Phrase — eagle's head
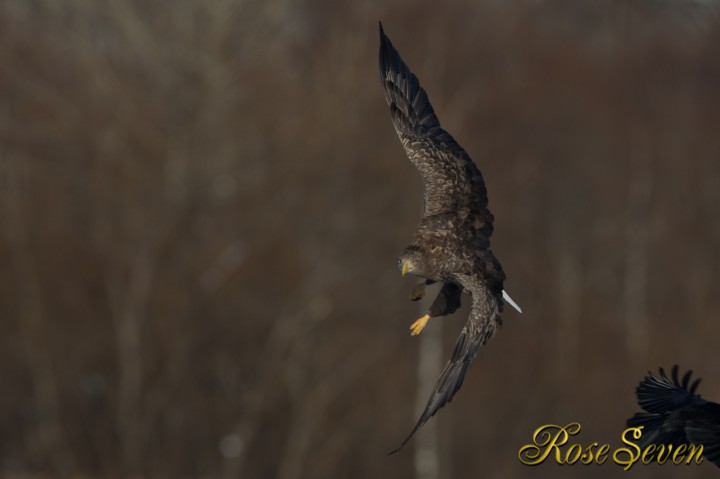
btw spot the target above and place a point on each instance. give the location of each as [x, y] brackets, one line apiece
[412, 261]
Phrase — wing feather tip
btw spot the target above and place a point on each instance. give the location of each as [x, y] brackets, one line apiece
[394, 451]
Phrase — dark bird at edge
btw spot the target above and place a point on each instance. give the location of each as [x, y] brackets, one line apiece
[675, 415]
[452, 242]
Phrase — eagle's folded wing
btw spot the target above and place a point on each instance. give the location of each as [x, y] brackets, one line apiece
[480, 327]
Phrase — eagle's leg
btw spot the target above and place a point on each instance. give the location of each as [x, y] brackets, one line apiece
[418, 292]
[417, 327]
[446, 302]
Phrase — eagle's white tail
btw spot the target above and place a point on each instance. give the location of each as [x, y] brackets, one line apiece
[510, 301]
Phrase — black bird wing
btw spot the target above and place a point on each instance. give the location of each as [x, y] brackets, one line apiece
[709, 437]
[451, 178]
[663, 394]
[671, 406]
[485, 318]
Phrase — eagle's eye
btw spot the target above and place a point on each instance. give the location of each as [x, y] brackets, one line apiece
[406, 265]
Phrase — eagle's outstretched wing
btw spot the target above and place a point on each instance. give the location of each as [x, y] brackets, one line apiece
[485, 317]
[451, 178]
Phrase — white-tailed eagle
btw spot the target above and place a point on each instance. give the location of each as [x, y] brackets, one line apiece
[452, 242]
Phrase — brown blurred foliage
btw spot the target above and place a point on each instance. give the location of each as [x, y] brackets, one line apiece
[201, 204]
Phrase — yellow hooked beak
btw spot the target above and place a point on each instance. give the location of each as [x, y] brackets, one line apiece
[405, 268]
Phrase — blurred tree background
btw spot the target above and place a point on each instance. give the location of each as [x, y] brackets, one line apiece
[202, 203]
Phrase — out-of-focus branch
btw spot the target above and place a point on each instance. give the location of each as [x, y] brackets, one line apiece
[636, 261]
[128, 301]
[46, 397]
[568, 277]
[426, 460]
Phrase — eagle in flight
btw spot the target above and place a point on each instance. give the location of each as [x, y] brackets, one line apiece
[452, 242]
[675, 415]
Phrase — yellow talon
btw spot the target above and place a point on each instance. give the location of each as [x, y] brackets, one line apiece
[419, 325]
